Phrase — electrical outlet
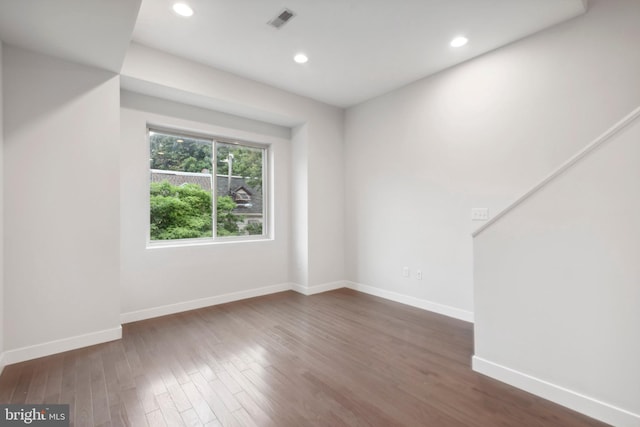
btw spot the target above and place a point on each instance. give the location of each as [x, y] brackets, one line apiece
[419, 274]
[405, 271]
[479, 214]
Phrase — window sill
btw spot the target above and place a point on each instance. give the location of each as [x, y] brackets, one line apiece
[206, 242]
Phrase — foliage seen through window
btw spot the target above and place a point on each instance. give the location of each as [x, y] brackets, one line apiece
[183, 187]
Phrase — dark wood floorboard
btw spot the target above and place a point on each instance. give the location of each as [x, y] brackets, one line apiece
[341, 358]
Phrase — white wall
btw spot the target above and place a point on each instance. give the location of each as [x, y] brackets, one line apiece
[317, 238]
[161, 280]
[1, 220]
[61, 217]
[477, 135]
[299, 253]
[557, 287]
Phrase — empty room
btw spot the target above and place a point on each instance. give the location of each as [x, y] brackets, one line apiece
[320, 213]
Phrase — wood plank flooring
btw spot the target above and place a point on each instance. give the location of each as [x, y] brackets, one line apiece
[341, 358]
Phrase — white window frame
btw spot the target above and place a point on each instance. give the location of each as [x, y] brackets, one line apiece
[213, 139]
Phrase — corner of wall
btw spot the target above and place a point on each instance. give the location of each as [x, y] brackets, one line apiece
[318, 289]
[299, 264]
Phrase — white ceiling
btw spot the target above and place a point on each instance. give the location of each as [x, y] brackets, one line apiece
[357, 49]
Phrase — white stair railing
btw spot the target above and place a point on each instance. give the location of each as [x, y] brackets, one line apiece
[595, 144]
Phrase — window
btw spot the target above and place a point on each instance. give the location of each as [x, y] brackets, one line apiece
[242, 196]
[205, 188]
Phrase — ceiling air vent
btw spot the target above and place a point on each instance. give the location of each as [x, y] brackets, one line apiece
[282, 18]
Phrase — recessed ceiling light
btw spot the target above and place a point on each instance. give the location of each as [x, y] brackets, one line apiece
[182, 9]
[459, 41]
[300, 58]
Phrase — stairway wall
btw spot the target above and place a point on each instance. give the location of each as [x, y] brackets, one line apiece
[557, 287]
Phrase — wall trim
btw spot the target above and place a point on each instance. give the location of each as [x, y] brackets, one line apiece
[424, 304]
[163, 310]
[578, 402]
[591, 147]
[72, 343]
[180, 307]
[317, 289]
[59, 346]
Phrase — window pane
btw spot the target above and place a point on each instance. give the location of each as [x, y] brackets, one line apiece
[240, 202]
[181, 187]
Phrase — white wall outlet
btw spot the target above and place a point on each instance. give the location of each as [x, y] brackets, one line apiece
[419, 274]
[405, 271]
[479, 214]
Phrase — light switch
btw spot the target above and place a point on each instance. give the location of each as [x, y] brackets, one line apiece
[479, 214]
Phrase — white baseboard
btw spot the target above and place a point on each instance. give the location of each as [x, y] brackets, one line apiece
[179, 307]
[59, 346]
[317, 289]
[557, 394]
[45, 349]
[435, 307]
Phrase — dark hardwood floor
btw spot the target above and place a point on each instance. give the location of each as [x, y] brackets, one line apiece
[336, 359]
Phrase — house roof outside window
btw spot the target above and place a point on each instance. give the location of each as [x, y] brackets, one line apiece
[238, 187]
